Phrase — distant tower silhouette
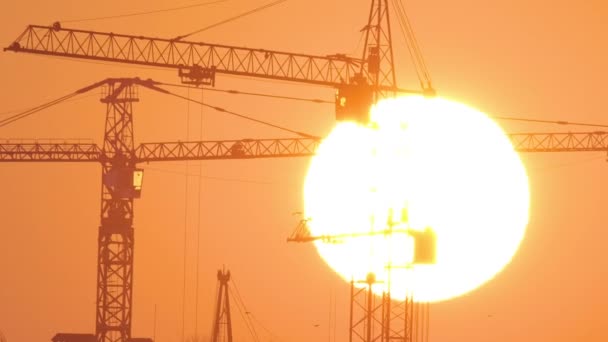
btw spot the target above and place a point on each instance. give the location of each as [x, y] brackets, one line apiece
[222, 325]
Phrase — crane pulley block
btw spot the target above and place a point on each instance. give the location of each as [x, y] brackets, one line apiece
[197, 75]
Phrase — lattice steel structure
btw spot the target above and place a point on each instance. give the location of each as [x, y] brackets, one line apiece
[359, 82]
[366, 312]
[121, 185]
[263, 148]
[222, 323]
[560, 142]
[379, 47]
[376, 318]
[115, 239]
[119, 158]
[191, 58]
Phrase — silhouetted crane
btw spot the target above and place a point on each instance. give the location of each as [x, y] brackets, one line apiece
[359, 83]
[222, 323]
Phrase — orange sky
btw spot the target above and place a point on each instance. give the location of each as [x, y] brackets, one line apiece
[540, 59]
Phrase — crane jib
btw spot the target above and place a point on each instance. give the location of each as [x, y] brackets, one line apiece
[333, 71]
[264, 148]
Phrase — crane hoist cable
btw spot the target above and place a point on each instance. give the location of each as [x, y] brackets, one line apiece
[412, 45]
[557, 122]
[200, 4]
[409, 48]
[242, 116]
[244, 315]
[185, 258]
[198, 221]
[273, 336]
[320, 101]
[225, 21]
[238, 92]
[28, 112]
[413, 40]
[36, 109]
[221, 179]
[243, 310]
[22, 109]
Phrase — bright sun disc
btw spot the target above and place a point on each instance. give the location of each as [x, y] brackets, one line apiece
[449, 166]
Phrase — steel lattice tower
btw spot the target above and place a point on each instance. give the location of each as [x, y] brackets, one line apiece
[222, 324]
[378, 48]
[115, 239]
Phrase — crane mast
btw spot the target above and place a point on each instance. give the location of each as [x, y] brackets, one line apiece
[378, 51]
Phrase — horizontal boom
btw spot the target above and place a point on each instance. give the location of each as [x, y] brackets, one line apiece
[193, 59]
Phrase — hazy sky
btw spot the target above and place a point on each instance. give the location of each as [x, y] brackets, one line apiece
[537, 59]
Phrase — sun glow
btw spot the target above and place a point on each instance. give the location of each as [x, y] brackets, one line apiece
[421, 163]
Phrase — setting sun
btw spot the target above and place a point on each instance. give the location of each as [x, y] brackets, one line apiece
[421, 165]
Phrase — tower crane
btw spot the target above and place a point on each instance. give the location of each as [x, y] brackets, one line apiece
[122, 184]
[222, 322]
[359, 83]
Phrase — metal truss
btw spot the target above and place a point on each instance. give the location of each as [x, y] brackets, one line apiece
[366, 312]
[222, 322]
[50, 152]
[163, 151]
[227, 149]
[379, 46]
[116, 235]
[264, 148]
[172, 53]
[560, 142]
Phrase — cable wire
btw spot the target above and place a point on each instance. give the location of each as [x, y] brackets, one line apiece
[255, 10]
[248, 321]
[206, 3]
[198, 224]
[412, 44]
[223, 179]
[273, 335]
[356, 49]
[12, 111]
[406, 37]
[185, 226]
[223, 110]
[565, 123]
[238, 92]
[31, 111]
[244, 313]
